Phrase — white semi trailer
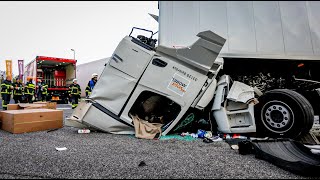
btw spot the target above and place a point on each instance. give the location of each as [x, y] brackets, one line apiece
[269, 44]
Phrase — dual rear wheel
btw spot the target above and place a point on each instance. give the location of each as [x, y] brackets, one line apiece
[283, 113]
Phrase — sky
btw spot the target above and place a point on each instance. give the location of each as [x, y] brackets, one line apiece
[52, 28]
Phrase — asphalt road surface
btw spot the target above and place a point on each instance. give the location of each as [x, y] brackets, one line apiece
[100, 155]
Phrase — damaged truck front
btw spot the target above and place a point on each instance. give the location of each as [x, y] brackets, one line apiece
[161, 84]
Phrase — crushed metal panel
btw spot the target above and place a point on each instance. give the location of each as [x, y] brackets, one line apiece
[103, 120]
[113, 89]
[240, 92]
[201, 54]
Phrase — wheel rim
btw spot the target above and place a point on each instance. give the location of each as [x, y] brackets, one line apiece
[277, 116]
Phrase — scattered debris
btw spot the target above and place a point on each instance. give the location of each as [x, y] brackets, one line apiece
[178, 137]
[53, 130]
[208, 134]
[83, 131]
[185, 122]
[212, 139]
[61, 149]
[142, 163]
[236, 147]
[201, 133]
[207, 140]
[145, 129]
[245, 147]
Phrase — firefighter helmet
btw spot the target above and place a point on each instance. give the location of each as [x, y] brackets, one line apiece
[29, 78]
[94, 75]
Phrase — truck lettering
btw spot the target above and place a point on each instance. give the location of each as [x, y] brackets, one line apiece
[185, 73]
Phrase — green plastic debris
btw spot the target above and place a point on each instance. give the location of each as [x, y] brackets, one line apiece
[178, 137]
[185, 122]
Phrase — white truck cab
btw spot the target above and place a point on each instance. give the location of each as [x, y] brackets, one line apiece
[179, 79]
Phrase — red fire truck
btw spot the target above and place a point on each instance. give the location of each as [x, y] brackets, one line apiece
[57, 73]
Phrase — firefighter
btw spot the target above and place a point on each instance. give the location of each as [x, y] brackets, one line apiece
[38, 90]
[23, 97]
[44, 92]
[29, 90]
[74, 93]
[41, 91]
[6, 91]
[91, 84]
[17, 91]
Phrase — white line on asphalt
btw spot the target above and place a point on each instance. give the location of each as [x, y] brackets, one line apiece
[64, 108]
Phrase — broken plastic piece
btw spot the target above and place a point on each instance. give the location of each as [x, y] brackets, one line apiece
[240, 92]
[61, 149]
[236, 147]
[84, 131]
[142, 163]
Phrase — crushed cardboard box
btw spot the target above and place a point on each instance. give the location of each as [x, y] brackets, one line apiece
[31, 120]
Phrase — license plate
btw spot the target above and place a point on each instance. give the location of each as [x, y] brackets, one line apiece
[55, 98]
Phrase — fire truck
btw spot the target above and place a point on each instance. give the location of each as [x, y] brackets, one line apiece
[57, 73]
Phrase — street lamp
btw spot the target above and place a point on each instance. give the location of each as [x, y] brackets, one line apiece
[74, 54]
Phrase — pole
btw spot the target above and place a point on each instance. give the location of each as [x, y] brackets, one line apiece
[74, 54]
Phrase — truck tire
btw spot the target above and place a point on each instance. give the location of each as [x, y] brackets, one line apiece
[283, 113]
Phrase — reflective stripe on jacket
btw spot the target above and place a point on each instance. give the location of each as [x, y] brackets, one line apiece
[45, 89]
[30, 88]
[5, 87]
[19, 90]
[74, 89]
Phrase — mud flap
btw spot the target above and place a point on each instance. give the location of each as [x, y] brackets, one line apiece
[284, 153]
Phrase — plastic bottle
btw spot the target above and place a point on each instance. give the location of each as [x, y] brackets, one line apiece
[194, 135]
[201, 133]
[84, 131]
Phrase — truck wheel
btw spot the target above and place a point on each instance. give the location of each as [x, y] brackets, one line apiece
[283, 113]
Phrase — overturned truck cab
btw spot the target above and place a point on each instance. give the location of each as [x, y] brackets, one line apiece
[160, 84]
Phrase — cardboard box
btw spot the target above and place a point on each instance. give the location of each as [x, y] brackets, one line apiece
[49, 105]
[31, 120]
[21, 106]
[13, 107]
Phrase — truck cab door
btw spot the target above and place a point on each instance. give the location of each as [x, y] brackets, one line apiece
[121, 75]
[171, 80]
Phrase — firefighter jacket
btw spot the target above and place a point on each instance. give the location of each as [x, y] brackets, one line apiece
[41, 88]
[30, 88]
[44, 88]
[18, 88]
[6, 87]
[74, 89]
[90, 86]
